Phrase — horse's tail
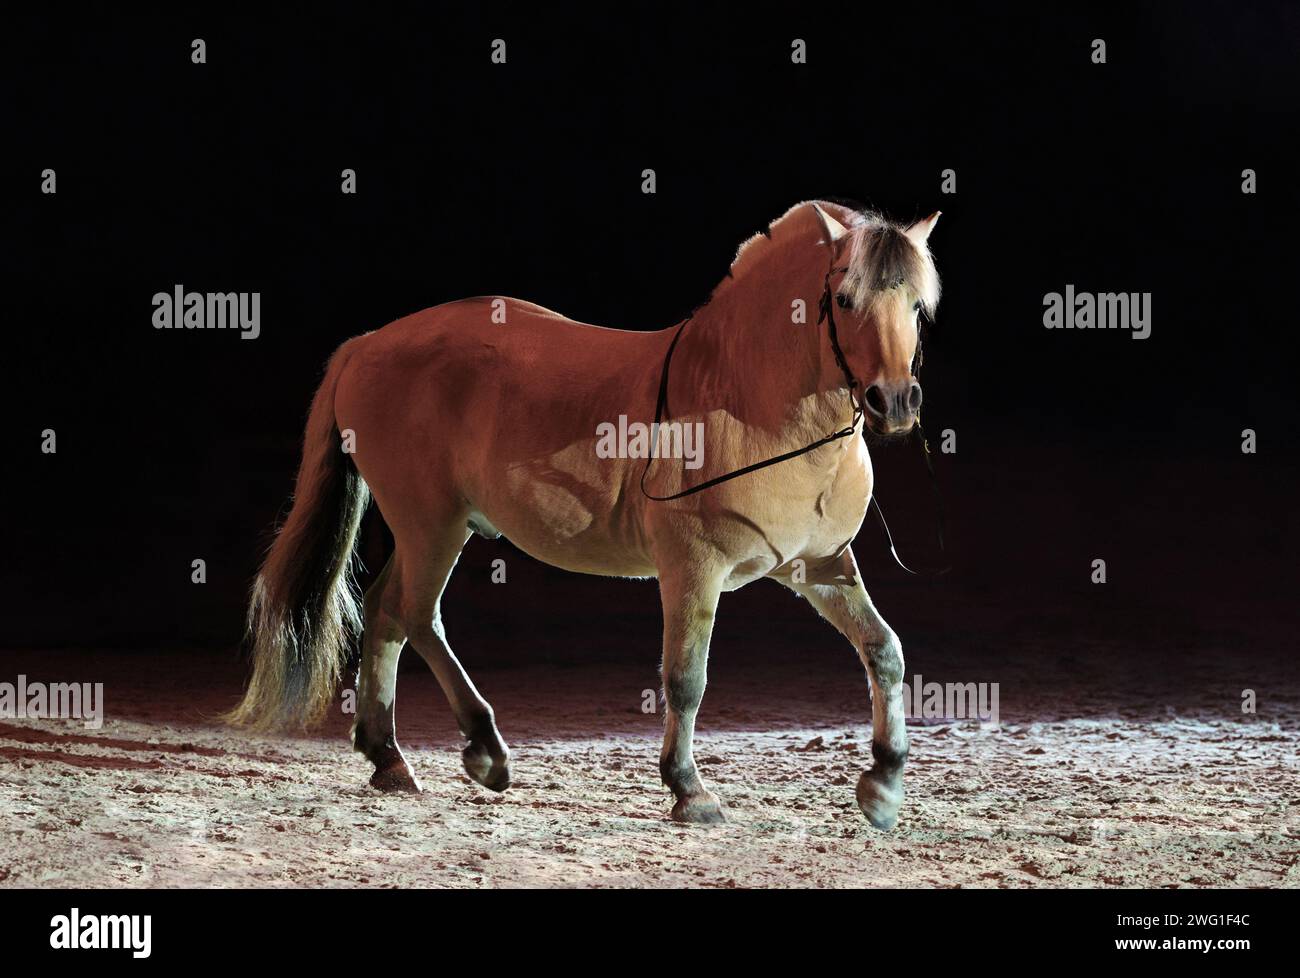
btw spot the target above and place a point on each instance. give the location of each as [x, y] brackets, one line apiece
[304, 608]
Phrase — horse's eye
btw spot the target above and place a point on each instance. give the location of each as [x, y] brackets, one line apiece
[916, 306]
[843, 301]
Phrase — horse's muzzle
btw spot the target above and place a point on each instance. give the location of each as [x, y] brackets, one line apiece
[891, 409]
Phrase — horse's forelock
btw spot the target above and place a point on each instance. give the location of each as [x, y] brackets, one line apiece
[881, 255]
[882, 258]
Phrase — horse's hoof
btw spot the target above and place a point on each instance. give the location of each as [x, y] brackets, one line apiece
[879, 797]
[701, 809]
[394, 778]
[479, 765]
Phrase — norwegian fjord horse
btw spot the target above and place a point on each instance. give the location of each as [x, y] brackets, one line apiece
[483, 415]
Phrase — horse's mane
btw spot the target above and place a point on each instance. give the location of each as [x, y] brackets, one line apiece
[881, 255]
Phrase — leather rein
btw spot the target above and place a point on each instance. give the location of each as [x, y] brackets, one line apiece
[826, 314]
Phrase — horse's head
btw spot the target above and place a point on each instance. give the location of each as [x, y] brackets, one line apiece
[883, 281]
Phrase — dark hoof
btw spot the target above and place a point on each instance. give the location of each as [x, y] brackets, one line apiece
[395, 777]
[479, 765]
[879, 797]
[701, 809]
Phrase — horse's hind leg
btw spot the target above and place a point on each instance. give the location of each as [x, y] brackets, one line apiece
[689, 604]
[426, 566]
[845, 605]
[374, 733]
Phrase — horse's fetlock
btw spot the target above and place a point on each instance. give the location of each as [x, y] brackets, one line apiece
[680, 776]
[383, 752]
[889, 757]
[480, 727]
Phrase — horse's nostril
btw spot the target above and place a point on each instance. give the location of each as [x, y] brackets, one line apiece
[914, 397]
[875, 400]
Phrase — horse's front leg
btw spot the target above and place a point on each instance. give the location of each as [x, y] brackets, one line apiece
[689, 603]
[845, 605]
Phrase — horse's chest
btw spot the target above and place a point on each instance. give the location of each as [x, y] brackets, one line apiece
[809, 524]
[832, 517]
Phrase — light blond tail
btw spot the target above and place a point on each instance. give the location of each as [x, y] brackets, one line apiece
[304, 610]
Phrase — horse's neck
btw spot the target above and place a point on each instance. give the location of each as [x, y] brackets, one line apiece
[751, 358]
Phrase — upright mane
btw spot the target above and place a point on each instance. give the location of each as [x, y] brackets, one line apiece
[881, 255]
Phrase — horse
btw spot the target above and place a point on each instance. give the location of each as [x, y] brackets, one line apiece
[483, 416]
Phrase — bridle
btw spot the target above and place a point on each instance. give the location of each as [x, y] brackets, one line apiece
[826, 314]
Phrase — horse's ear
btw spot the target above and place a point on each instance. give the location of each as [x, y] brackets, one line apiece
[832, 230]
[920, 231]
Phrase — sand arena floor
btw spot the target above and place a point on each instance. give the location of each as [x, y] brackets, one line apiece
[1156, 780]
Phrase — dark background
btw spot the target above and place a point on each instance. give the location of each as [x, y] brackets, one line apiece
[524, 179]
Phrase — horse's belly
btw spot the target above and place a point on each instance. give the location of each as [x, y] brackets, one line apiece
[586, 552]
[567, 518]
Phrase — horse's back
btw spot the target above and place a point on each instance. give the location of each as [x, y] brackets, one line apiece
[490, 322]
[488, 344]
[496, 402]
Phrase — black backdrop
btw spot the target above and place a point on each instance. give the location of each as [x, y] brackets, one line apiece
[525, 179]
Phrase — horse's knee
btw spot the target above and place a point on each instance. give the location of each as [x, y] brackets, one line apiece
[684, 689]
[884, 655]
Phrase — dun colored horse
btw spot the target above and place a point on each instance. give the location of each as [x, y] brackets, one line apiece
[493, 416]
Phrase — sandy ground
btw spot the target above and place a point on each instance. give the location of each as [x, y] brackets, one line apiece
[1091, 779]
